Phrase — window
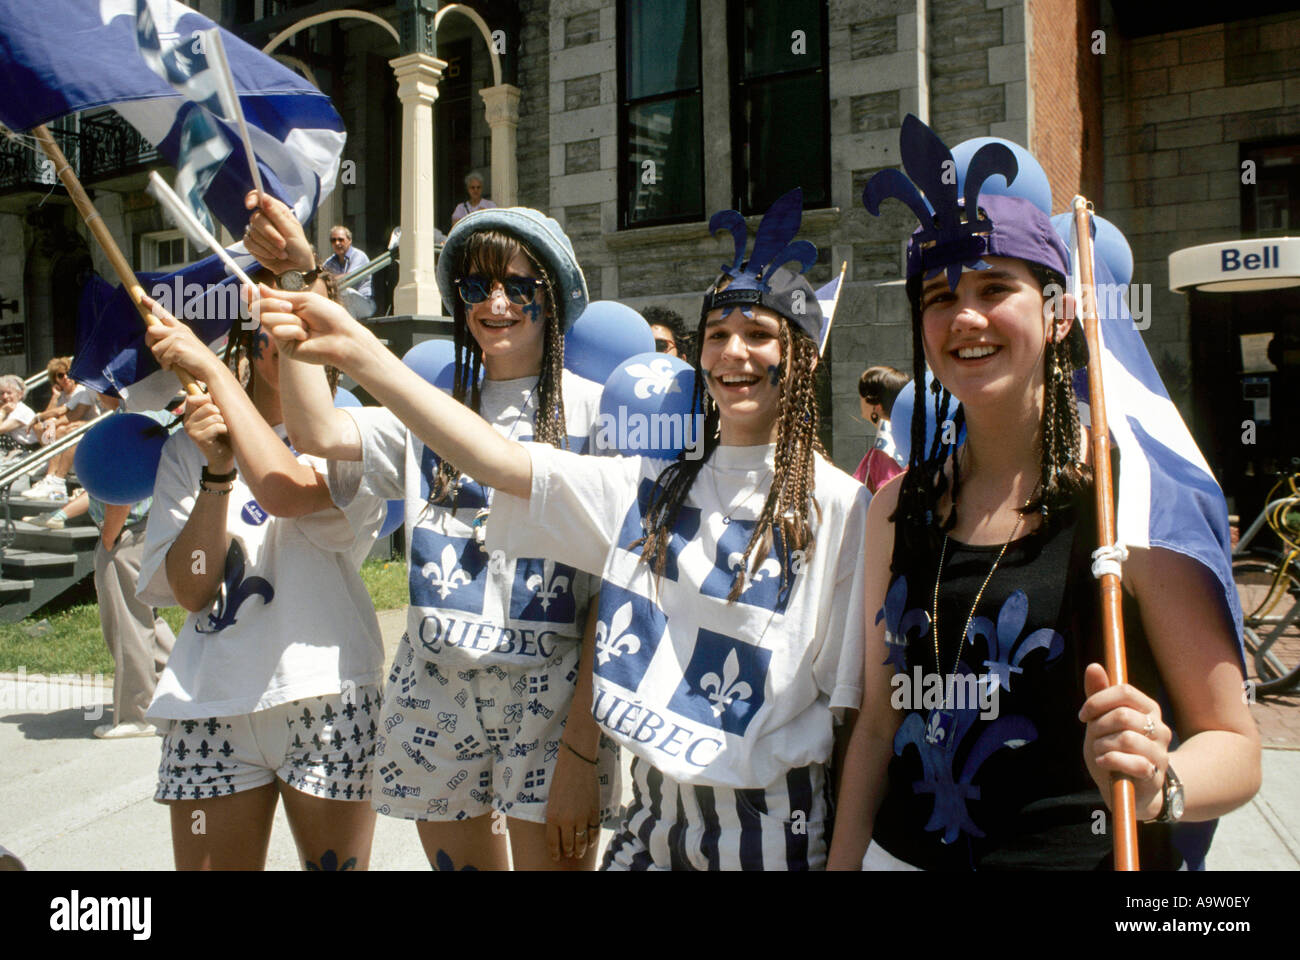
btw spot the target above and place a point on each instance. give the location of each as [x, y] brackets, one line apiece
[779, 102]
[164, 252]
[1271, 205]
[661, 141]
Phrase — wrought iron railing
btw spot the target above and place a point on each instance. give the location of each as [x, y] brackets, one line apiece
[111, 147]
[23, 166]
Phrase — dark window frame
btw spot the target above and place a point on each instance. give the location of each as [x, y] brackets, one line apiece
[1252, 150]
[624, 185]
[740, 182]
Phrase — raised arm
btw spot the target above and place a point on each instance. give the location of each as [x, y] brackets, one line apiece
[281, 484]
[309, 327]
[277, 239]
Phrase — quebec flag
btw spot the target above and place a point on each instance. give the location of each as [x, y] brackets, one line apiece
[63, 56]
[1167, 495]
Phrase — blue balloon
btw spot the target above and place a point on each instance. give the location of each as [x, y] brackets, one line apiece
[1030, 183]
[345, 398]
[117, 459]
[393, 519]
[605, 335]
[900, 418]
[1109, 246]
[645, 409]
[428, 357]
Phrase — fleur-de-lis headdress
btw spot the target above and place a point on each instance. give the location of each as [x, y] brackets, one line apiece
[958, 231]
[763, 279]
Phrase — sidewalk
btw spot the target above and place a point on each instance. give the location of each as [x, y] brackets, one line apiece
[71, 802]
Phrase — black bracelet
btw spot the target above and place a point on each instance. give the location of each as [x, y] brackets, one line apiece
[211, 477]
[565, 744]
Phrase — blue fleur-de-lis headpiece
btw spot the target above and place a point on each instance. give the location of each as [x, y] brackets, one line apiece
[955, 232]
[763, 278]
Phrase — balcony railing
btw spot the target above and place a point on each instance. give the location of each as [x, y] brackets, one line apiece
[106, 146]
[23, 166]
[111, 147]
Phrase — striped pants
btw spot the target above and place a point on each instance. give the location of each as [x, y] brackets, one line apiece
[677, 826]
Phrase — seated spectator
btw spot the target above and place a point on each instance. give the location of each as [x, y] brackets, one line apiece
[346, 259]
[669, 331]
[476, 201]
[69, 405]
[17, 430]
[878, 388]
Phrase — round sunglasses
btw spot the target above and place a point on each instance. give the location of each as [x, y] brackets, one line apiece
[519, 290]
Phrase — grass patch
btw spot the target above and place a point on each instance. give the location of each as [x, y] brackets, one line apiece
[74, 643]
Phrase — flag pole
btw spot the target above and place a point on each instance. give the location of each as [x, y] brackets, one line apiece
[105, 239]
[1123, 797]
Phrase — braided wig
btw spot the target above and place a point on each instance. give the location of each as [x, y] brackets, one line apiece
[1063, 475]
[791, 492]
[490, 252]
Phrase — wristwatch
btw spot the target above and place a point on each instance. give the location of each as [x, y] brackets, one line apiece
[294, 280]
[1171, 811]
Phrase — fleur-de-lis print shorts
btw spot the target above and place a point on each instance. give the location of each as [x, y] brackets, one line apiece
[457, 743]
[324, 746]
[680, 826]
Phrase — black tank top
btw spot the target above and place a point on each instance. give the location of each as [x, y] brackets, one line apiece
[999, 782]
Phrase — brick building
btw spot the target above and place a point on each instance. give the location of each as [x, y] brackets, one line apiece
[639, 118]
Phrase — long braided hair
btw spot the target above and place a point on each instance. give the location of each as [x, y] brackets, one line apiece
[491, 251]
[1062, 473]
[784, 517]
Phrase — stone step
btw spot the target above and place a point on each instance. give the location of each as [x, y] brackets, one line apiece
[70, 539]
[19, 563]
[14, 591]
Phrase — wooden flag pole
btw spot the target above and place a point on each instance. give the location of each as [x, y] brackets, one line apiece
[105, 239]
[1123, 799]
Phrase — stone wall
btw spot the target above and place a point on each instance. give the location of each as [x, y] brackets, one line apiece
[1177, 108]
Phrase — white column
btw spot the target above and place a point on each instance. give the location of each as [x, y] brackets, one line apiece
[417, 87]
[501, 105]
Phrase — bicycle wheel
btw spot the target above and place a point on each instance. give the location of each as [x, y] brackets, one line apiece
[1270, 605]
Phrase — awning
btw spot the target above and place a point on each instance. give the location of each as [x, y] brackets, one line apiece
[1236, 265]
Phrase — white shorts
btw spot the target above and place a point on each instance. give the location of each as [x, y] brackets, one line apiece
[456, 744]
[324, 746]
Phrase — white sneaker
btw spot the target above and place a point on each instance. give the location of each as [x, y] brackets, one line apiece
[48, 488]
[108, 731]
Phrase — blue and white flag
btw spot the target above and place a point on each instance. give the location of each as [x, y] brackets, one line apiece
[63, 56]
[1167, 495]
[828, 298]
[111, 354]
[203, 150]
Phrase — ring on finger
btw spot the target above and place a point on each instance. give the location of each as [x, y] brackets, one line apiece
[1149, 728]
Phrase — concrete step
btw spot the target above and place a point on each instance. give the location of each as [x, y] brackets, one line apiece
[70, 539]
[32, 563]
[14, 591]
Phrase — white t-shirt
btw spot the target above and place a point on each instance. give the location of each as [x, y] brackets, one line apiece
[293, 618]
[24, 415]
[711, 693]
[468, 610]
[81, 396]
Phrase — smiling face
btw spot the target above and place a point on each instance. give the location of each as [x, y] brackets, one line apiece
[340, 241]
[9, 395]
[741, 359]
[985, 340]
[511, 335]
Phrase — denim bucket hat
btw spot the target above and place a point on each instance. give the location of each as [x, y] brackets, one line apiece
[544, 238]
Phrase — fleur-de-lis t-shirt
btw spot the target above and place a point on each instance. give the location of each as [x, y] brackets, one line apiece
[468, 607]
[292, 618]
[717, 693]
